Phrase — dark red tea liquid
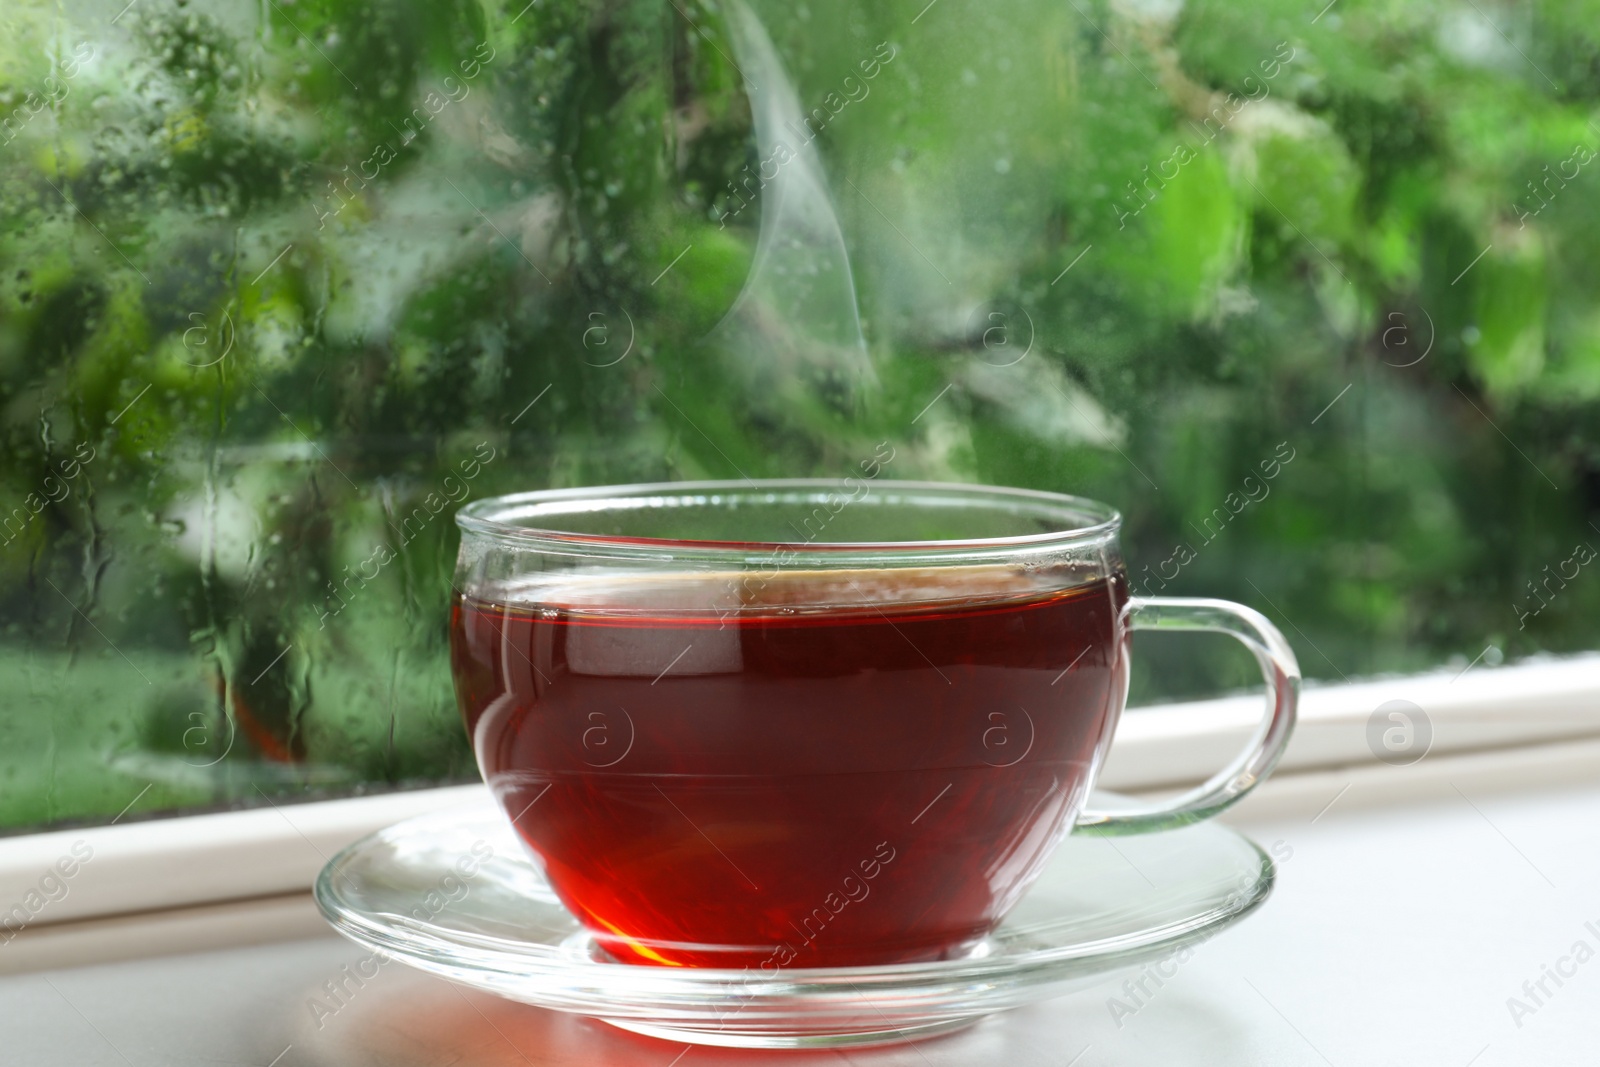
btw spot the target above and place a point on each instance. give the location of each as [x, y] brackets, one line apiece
[776, 786]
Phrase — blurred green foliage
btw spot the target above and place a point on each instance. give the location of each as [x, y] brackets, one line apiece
[284, 270]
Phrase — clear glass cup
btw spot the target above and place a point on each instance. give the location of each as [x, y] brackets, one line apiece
[811, 723]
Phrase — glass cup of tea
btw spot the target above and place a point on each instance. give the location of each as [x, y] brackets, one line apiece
[804, 723]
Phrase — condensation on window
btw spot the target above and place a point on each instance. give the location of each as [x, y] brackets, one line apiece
[282, 284]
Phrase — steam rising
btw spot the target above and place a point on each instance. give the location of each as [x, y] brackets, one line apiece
[794, 328]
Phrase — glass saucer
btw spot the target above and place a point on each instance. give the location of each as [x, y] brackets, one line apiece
[456, 894]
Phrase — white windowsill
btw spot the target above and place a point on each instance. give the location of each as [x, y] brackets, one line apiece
[236, 877]
[1529, 704]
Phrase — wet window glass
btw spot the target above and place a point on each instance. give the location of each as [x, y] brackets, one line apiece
[1311, 296]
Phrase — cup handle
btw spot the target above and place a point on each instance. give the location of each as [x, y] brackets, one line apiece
[1250, 767]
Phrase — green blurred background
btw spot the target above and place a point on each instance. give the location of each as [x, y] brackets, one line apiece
[275, 277]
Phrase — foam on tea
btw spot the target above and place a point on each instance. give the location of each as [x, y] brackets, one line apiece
[815, 769]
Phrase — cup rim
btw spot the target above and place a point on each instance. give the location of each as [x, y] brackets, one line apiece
[504, 518]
